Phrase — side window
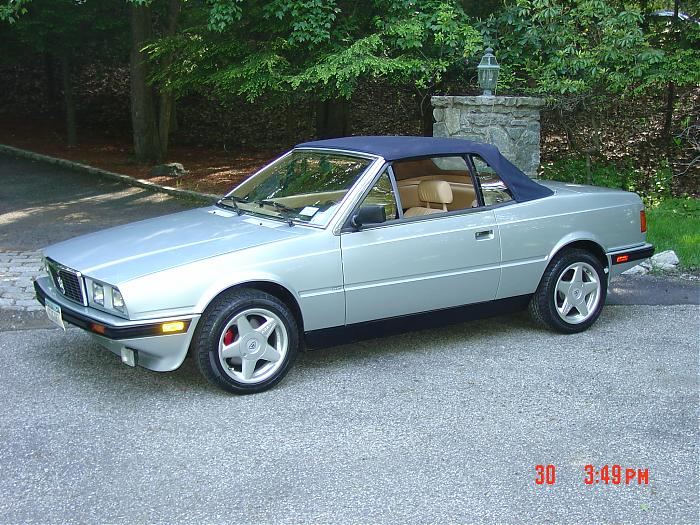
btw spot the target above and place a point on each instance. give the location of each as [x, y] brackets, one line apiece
[382, 196]
[434, 185]
[493, 188]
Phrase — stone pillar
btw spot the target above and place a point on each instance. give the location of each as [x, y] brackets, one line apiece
[512, 124]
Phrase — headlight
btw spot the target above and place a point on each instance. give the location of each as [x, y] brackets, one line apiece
[118, 300]
[98, 293]
[105, 297]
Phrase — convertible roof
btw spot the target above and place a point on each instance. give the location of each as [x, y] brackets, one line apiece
[392, 148]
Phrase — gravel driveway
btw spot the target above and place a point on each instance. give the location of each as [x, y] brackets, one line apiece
[41, 204]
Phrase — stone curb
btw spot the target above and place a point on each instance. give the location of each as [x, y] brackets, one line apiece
[131, 181]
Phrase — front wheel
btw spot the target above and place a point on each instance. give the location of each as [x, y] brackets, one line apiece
[246, 341]
[571, 294]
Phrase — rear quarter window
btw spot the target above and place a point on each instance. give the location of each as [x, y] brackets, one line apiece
[493, 189]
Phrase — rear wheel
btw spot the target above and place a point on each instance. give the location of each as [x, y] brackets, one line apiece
[246, 341]
[572, 292]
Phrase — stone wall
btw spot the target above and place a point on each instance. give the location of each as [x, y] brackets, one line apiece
[510, 123]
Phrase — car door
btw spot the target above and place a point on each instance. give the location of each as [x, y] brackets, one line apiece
[407, 265]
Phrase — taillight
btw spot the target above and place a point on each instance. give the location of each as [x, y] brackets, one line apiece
[643, 221]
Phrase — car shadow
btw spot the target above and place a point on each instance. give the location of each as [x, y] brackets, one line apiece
[103, 372]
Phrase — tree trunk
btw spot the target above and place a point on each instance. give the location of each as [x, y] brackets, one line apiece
[52, 93]
[66, 74]
[165, 119]
[644, 10]
[143, 113]
[426, 115]
[668, 113]
[332, 118]
[589, 169]
[173, 119]
[671, 87]
[290, 125]
[596, 146]
[167, 98]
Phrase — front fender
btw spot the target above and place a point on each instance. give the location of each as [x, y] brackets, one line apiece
[308, 267]
[220, 285]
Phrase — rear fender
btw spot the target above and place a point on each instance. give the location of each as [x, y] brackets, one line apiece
[586, 237]
[573, 237]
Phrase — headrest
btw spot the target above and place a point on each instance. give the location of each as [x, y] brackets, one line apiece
[437, 191]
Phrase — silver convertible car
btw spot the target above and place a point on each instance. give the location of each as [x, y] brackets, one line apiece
[337, 234]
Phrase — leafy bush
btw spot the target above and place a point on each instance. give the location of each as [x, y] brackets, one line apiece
[653, 187]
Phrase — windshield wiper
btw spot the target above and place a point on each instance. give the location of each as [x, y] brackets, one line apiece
[275, 204]
[234, 206]
[281, 207]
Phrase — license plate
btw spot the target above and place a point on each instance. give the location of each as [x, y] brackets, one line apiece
[53, 311]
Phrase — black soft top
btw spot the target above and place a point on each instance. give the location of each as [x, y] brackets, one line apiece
[393, 148]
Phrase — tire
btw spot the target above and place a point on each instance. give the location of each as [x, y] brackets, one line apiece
[571, 294]
[246, 341]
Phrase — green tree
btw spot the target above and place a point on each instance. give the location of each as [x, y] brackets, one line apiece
[72, 30]
[151, 110]
[679, 39]
[580, 54]
[65, 33]
[285, 49]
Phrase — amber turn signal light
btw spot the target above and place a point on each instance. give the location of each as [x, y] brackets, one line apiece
[174, 326]
[622, 258]
[643, 221]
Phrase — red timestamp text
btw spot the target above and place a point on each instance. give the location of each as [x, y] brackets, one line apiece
[606, 475]
[615, 475]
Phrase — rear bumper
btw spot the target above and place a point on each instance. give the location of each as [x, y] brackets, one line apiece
[621, 260]
[152, 349]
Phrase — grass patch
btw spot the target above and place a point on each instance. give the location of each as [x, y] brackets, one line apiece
[674, 224]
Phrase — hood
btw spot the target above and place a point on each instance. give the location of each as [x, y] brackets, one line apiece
[139, 248]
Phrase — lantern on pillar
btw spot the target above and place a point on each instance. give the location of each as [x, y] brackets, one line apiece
[488, 72]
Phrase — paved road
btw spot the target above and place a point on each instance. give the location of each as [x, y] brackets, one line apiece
[653, 290]
[428, 427]
[41, 203]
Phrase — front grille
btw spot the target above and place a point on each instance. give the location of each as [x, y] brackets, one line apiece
[67, 281]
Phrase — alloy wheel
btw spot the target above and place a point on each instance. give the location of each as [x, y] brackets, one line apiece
[253, 345]
[577, 293]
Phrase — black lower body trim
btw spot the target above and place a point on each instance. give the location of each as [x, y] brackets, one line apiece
[100, 328]
[634, 254]
[407, 323]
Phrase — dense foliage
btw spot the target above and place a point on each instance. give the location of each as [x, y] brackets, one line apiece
[584, 56]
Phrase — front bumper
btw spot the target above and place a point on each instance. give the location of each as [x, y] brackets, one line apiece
[151, 348]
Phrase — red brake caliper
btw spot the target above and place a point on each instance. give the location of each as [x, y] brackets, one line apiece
[228, 336]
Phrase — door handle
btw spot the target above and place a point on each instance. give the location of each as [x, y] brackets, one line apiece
[484, 235]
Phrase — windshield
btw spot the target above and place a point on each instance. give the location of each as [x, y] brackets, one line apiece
[305, 186]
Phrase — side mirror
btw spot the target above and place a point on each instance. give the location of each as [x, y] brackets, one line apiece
[356, 222]
[369, 214]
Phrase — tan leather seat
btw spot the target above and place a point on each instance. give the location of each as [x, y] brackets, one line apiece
[436, 192]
